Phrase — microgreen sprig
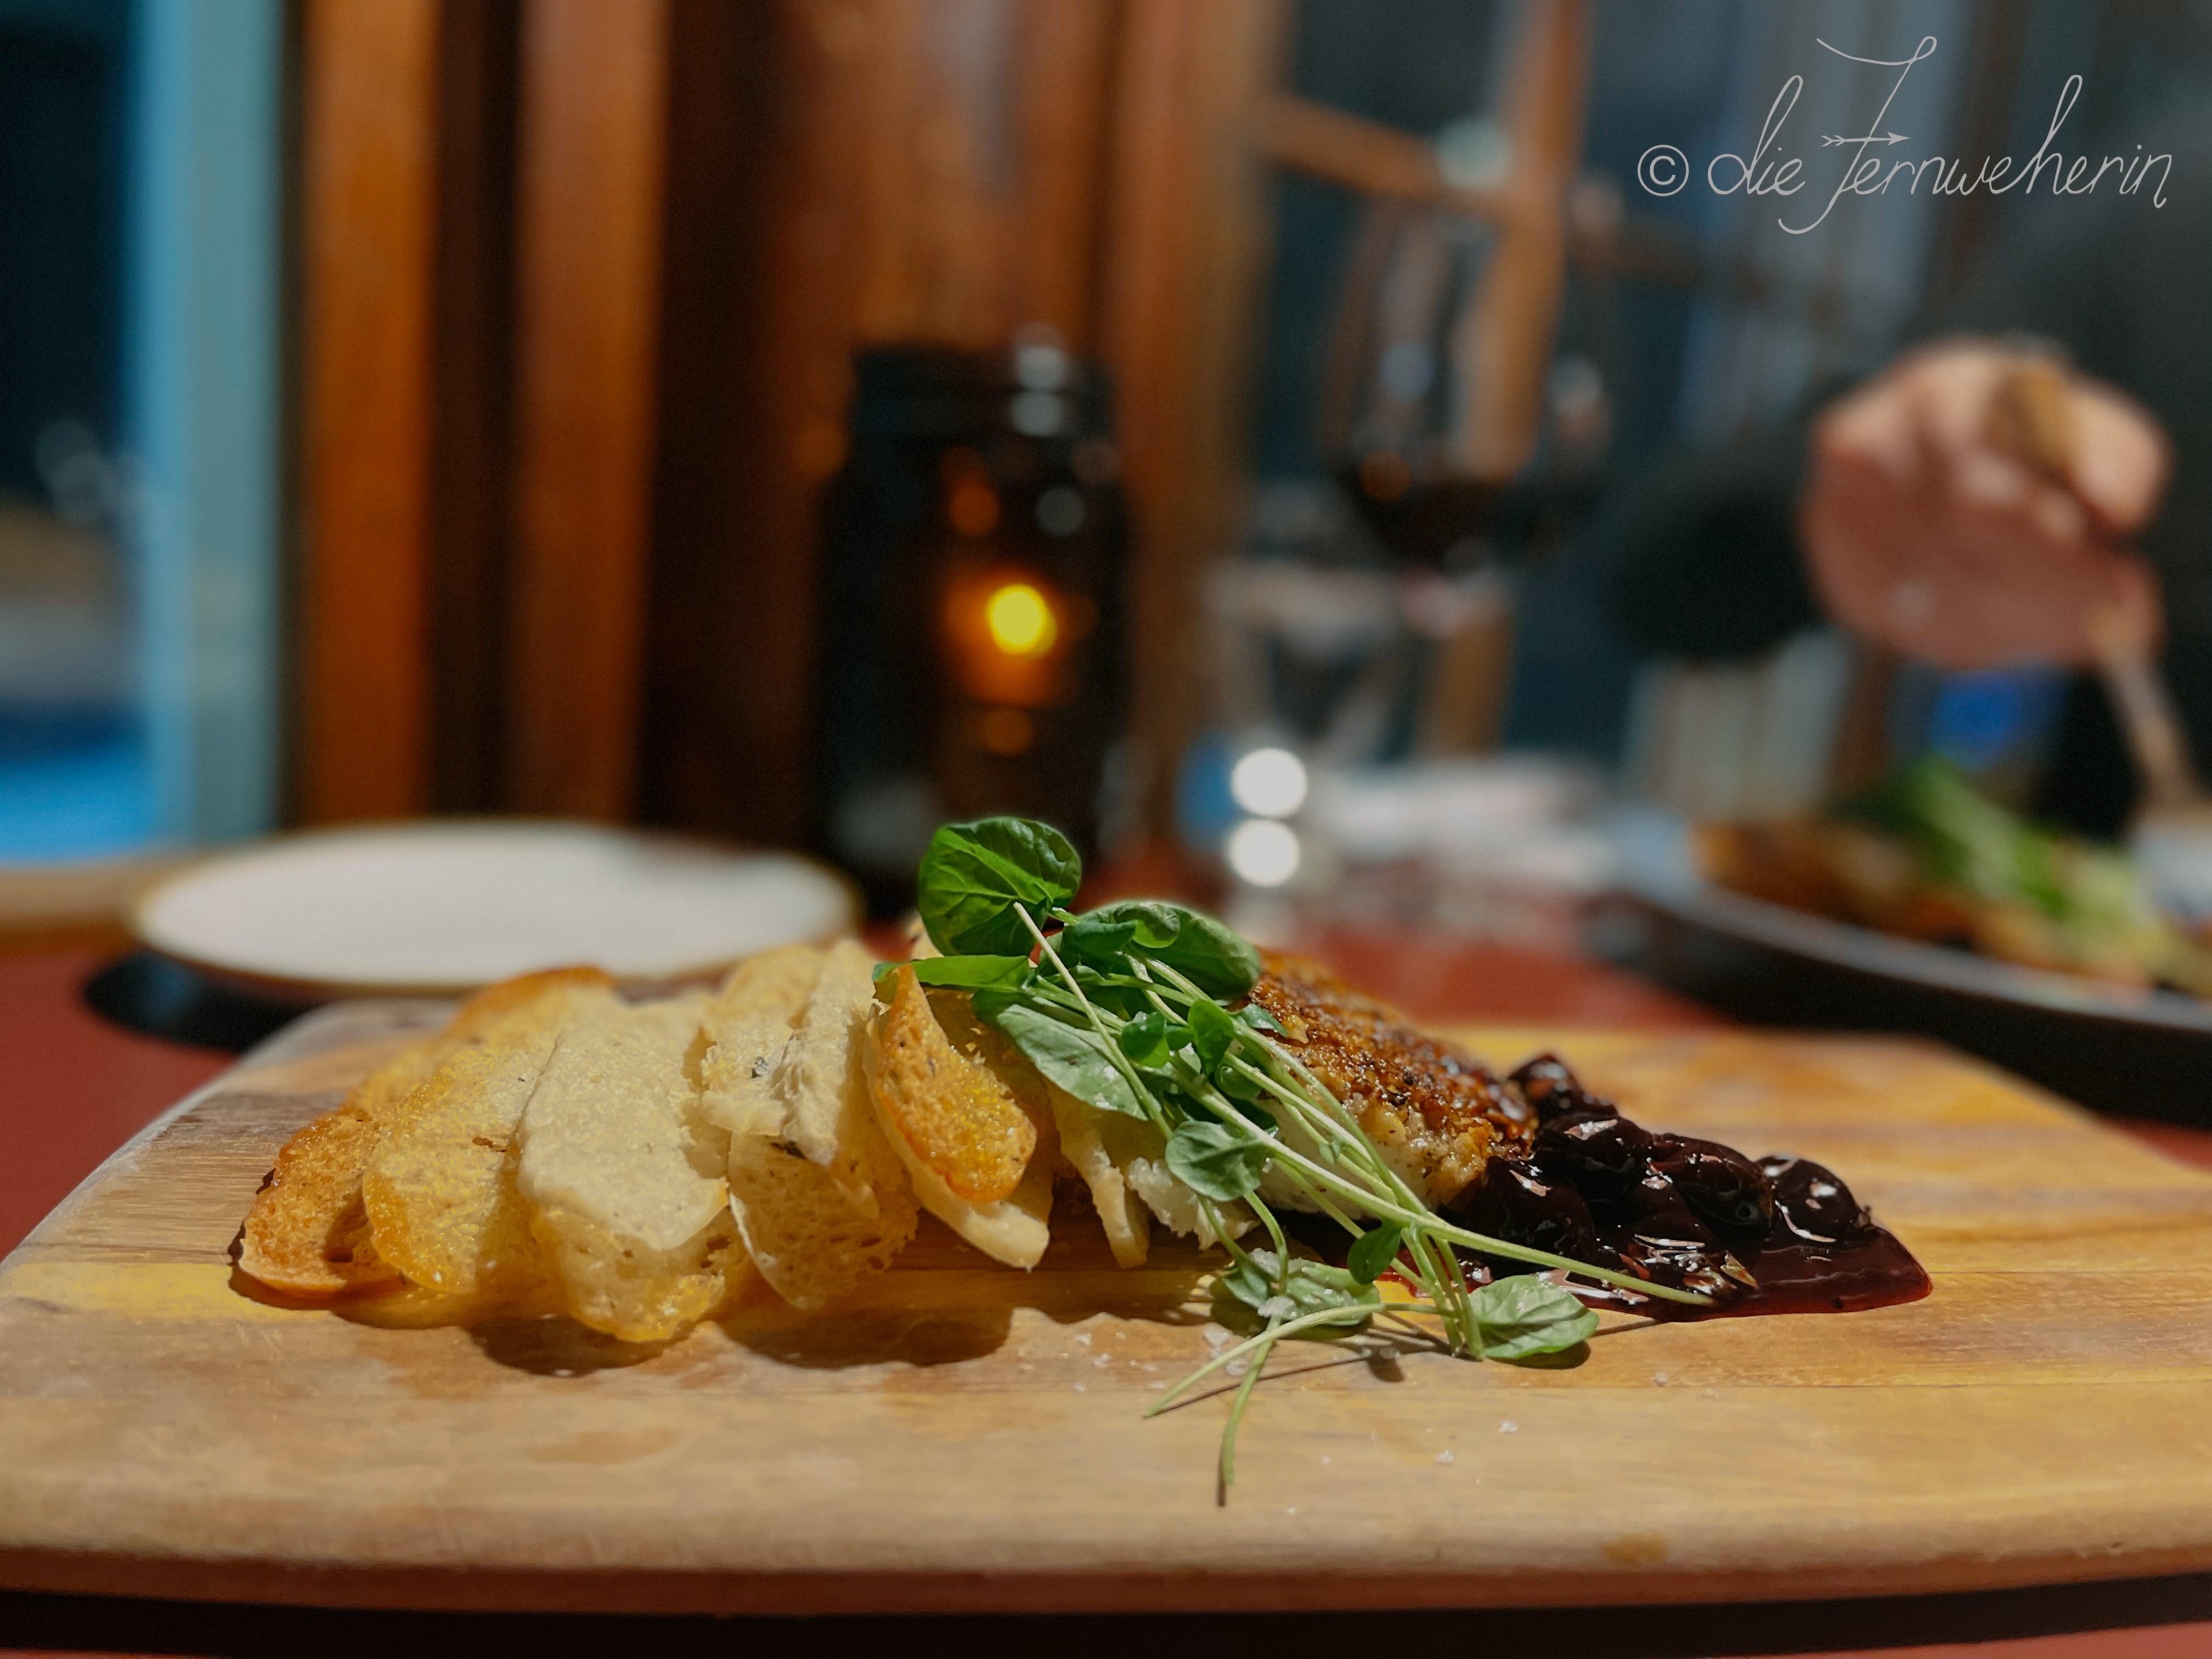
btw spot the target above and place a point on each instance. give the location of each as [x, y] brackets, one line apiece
[1133, 1008]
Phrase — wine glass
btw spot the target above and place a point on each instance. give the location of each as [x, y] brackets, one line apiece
[1398, 414]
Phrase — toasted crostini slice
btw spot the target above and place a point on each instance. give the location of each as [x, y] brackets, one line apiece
[629, 1210]
[308, 1232]
[967, 1116]
[441, 1193]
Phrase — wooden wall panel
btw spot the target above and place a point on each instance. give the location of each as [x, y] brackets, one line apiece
[771, 106]
[593, 85]
[472, 408]
[368, 122]
[1185, 249]
[560, 489]
[1516, 313]
[709, 549]
[1065, 60]
[844, 175]
[978, 184]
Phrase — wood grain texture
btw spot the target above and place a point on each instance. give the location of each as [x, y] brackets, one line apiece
[1185, 253]
[964, 1436]
[890, 171]
[878, 171]
[472, 440]
[591, 176]
[369, 122]
[406, 323]
[1506, 346]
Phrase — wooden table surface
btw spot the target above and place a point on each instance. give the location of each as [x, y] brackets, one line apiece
[76, 1087]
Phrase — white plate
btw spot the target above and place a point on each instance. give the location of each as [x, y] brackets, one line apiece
[441, 909]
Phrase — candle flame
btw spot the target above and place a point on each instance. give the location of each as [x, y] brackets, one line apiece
[1020, 620]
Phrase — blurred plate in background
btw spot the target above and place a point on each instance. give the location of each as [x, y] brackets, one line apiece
[442, 909]
[2115, 1047]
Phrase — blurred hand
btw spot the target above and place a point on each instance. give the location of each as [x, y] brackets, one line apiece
[1924, 535]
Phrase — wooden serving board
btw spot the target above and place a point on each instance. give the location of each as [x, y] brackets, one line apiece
[967, 1436]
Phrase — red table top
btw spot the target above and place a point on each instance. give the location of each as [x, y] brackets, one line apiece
[77, 1087]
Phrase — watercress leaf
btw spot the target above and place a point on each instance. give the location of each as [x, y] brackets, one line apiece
[1117, 992]
[1212, 956]
[976, 877]
[1248, 1295]
[1372, 1253]
[1238, 1084]
[1244, 1287]
[1175, 1104]
[1089, 976]
[1121, 999]
[1096, 939]
[972, 973]
[1315, 1285]
[1260, 1019]
[1216, 1160]
[1259, 1116]
[1213, 1033]
[1176, 1070]
[1527, 1315]
[1182, 1068]
[1152, 924]
[1144, 1040]
[1074, 1058]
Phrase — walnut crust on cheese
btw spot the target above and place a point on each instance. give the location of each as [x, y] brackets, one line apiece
[1433, 1110]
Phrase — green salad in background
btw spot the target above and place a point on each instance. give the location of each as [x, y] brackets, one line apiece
[1924, 855]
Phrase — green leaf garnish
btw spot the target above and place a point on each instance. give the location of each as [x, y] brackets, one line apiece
[1260, 1019]
[1144, 1040]
[1214, 1160]
[1373, 1252]
[1075, 1059]
[1213, 1033]
[1240, 1085]
[963, 973]
[1525, 1315]
[1212, 955]
[977, 879]
[1123, 995]
[1258, 1289]
[1092, 937]
[1125, 1008]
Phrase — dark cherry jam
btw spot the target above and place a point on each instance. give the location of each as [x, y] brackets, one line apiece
[1776, 1234]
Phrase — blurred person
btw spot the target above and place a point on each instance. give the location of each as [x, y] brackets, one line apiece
[1891, 508]
[1921, 531]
